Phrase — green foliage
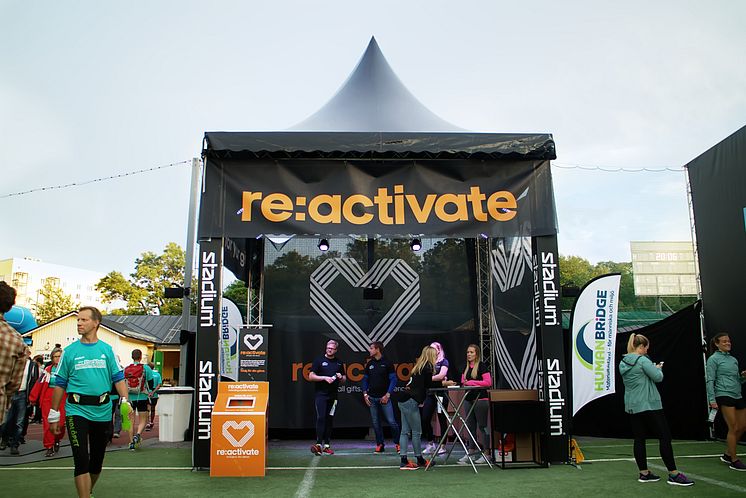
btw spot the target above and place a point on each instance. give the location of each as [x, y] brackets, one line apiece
[143, 290]
[576, 271]
[53, 303]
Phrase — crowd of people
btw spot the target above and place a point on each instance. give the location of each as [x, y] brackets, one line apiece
[96, 391]
[73, 393]
[415, 401]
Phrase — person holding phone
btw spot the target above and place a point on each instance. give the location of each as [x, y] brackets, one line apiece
[643, 402]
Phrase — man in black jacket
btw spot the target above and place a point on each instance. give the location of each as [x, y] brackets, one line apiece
[379, 381]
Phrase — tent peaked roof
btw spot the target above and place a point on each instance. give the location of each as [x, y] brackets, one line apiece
[373, 99]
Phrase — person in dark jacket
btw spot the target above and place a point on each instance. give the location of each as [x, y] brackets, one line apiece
[643, 402]
[411, 400]
[724, 380]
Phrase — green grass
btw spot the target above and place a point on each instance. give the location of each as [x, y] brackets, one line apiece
[597, 478]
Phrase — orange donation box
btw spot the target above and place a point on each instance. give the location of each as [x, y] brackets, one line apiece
[239, 426]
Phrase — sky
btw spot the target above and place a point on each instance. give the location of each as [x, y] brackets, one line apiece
[95, 89]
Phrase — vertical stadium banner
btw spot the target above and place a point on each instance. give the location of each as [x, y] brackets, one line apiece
[548, 322]
[231, 322]
[593, 335]
[207, 347]
[253, 354]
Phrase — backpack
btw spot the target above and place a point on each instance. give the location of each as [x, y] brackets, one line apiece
[134, 377]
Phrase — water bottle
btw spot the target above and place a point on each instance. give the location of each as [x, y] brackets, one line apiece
[125, 409]
[713, 413]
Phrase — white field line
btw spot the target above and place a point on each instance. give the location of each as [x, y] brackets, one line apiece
[304, 489]
[630, 459]
[708, 480]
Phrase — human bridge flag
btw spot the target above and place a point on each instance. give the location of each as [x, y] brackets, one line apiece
[593, 335]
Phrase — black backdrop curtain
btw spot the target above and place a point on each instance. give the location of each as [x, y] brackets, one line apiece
[676, 341]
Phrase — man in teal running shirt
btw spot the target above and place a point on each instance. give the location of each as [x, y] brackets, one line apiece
[86, 371]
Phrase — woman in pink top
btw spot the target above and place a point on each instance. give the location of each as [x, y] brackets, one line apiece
[476, 374]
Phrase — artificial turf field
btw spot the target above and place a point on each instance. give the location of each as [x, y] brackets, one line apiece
[353, 471]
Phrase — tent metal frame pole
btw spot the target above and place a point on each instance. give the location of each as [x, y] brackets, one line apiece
[484, 302]
[255, 308]
[186, 302]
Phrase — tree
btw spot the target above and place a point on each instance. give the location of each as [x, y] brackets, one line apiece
[143, 290]
[53, 302]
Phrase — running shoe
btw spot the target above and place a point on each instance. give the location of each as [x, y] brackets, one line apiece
[56, 447]
[725, 458]
[398, 448]
[480, 460]
[429, 448]
[464, 460]
[737, 465]
[679, 480]
[115, 435]
[429, 463]
[379, 449]
[328, 450]
[316, 449]
[137, 440]
[148, 427]
[49, 453]
[649, 477]
[442, 450]
[409, 466]
[132, 446]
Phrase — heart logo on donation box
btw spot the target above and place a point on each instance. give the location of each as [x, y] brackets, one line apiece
[253, 341]
[238, 428]
[333, 314]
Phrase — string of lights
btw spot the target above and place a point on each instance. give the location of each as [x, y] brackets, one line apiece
[611, 169]
[606, 169]
[95, 180]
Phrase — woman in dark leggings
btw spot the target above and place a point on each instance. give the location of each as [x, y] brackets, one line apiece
[643, 402]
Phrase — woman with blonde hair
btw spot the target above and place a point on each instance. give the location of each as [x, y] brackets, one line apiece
[440, 374]
[724, 380]
[476, 374]
[410, 401]
[643, 402]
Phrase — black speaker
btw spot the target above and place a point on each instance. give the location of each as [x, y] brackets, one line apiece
[373, 293]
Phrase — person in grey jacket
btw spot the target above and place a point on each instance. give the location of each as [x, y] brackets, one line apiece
[724, 381]
[643, 402]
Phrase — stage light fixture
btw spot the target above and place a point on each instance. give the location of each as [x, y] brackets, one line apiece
[415, 245]
[323, 245]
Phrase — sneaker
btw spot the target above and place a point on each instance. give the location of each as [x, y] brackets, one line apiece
[737, 465]
[398, 448]
[379, 449]
[115, 435]
[56, 448]
[480, 460]
[442, 450]
[137, 440]
[409, 466]
[14, 450]
[649, 477]
[679, 480]
[49, 453]
[328, 450]
[132, 446]
[3, 444]
[725, 458]
[429, 448]
[464, 460]
[148, 427]
[316, 449]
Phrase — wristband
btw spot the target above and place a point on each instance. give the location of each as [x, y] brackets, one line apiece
[54, 416]
[122, 399]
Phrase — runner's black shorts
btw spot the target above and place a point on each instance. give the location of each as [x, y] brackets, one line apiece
[739, 403]
[88, 440]
[140, 405]
[152, 402]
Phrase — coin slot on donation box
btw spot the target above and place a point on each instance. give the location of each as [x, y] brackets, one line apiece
[241, 402]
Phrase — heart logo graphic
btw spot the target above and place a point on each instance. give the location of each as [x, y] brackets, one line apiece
[238, 426]
[253, 341]
[341, 322]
